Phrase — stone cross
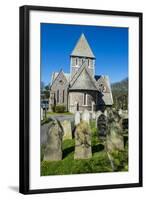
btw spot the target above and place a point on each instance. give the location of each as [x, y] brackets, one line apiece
[77, 118]
[83, 141]
[86, 116]
[53, 150]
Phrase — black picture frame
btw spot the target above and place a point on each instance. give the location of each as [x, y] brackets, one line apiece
[25, 105]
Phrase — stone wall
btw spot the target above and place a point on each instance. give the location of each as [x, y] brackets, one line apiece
[78, 97]
[60, 86]
[76, 63]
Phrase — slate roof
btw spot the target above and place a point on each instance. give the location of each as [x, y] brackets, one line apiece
[107, 94]
[82, 80]
[82, 48]
[55, 74]
[67, 75]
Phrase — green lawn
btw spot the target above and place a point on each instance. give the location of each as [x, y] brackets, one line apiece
[98, 163]
[56, 113]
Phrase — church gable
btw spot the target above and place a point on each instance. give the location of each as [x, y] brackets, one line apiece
[60, 81]
[105, 95]
[83, 81]
[103, 84]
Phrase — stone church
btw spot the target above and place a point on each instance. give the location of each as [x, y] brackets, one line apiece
[81, 89]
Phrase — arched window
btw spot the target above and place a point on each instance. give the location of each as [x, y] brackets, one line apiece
[82, 61]
[85, 99]
[76, 61]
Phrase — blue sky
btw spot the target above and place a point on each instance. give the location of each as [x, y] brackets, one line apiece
[109, 45]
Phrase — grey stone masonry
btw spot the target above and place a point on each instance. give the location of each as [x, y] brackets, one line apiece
[53, 150]
[77, 118]
[86, 116]
[115, 139]
[66, 125]
[83, 141]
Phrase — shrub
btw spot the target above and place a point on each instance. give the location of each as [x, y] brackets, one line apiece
[53, 108]
[60, 108]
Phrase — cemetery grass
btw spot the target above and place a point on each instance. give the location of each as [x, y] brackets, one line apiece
[57, 113]
[98, 163]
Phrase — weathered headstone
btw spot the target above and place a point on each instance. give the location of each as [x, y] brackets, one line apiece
[42, 114]
[102, 126]
[105, 113]
[86, 116]
[53, 150]
[97, 116]
[66, 125]
[93, 115]
[93, 104]
[83, 141]
[77, 118]
[120, 112]
[114, 139]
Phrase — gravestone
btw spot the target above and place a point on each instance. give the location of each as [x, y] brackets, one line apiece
[66, 125]
[86, 116]
[102, 126]
[83, 141]
[42, 113]
[93, 104]
[97, 116]
[120, 112]
[53, 150]
[105, 113]
[77, 118]
[114, 139]
[93, 115]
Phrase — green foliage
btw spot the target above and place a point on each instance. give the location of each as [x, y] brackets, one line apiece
[56, 114]
[98, 163]
[120, 94]
[53, 108]
[45, 91]
[120, 159]
[60, 108]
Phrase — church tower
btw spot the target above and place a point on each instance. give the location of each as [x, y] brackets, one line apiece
[80, 54]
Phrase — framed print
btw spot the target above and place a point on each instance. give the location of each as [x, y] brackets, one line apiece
[80, 99]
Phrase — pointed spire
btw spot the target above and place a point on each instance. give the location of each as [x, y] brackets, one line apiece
[82, 48]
